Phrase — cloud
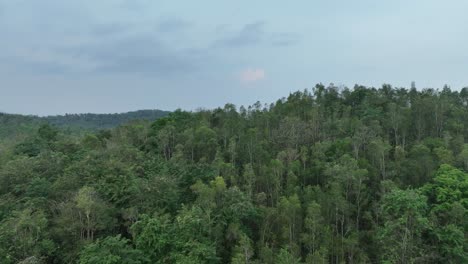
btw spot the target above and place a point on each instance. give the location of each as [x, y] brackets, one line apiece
[141, 54]
[135, 5]
[110, 29]
[118, 42]
[284, 39]
[116, 47]
[254, 34]
[252, 75]
[173, 25]
[250, 34]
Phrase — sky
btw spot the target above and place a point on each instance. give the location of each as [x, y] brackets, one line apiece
[108, 56]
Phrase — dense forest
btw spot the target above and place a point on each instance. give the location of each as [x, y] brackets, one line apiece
[327, 175]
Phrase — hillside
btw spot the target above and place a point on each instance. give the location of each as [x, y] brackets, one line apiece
[102, 121]
[330, 175]
[16, 126]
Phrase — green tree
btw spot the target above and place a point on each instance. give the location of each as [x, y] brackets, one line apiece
[316, 234]
[24, 235]
[111, 250]
[284, 257]
[448, 197]
[155, 237]
[404, 221]
[243, 252]
[89, 209]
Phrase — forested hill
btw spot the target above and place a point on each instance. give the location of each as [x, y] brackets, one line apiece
[17, 126]
[102, 121]
[331, 175]
[12, 125]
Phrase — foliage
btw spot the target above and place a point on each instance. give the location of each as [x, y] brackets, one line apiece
[332, 175]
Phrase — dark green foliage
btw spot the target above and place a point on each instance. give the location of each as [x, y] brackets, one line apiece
[335, 175]
[111, 250]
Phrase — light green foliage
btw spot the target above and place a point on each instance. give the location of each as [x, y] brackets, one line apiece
[154, 236]
[451, 185]
[449, 210]
[316, 235]
[284, 257]
[24, 235]
[404, 223]
[92, 212]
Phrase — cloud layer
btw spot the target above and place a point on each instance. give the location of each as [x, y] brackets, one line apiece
[252, 75]
[169, 54]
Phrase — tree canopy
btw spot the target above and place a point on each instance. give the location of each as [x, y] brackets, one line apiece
[327, 175]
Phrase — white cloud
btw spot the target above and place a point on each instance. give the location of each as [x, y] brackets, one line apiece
[252, 75]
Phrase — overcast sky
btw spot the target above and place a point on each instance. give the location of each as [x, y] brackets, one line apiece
[106, 56]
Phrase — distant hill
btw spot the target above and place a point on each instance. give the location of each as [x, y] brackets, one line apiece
[16, 126]
[102, 121]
